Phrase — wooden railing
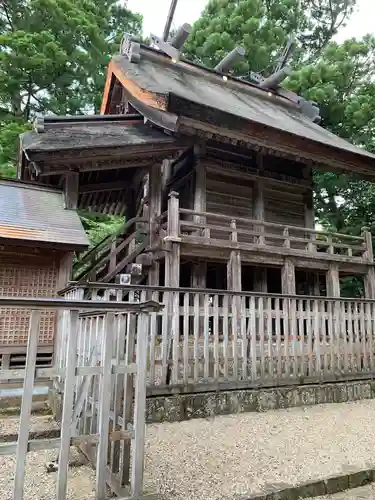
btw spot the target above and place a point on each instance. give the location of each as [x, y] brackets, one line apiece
[113, 253]
[210, 339]
[101, 377]
[207, 225]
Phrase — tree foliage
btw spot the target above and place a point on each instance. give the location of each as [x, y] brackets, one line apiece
[342, 82]
[262, 27]
[53, 58]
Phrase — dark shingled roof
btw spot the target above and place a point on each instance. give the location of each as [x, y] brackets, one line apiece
[33, 213]
[68, 136]
[157, 74]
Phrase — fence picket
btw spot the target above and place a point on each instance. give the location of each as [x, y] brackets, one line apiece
[186, 319]
[28, 386]
[244, 338]
[139, 407]
[105, 394]
[226, 335]
[69, 384]
[216, 337]
[253, 338]
[278, 339]
[261, 336]
[196, 337]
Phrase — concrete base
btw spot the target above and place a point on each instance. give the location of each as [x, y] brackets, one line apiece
[202, 405]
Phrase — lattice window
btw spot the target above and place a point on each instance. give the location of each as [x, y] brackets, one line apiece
[23, 274]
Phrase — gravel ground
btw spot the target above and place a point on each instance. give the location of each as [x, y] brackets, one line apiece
[237, 454]
[217, 458]
[38, 483]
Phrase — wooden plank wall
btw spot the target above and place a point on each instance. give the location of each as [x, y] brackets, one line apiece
[284, 203]
[229, 196]
[233, 194]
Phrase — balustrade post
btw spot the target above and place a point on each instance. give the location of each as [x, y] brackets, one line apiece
[286, 236]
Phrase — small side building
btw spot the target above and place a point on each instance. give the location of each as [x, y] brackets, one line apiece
[38, 238]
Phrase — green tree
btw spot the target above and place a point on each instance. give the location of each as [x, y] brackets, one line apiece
[342, 82]
[53, 58]
[262, 27]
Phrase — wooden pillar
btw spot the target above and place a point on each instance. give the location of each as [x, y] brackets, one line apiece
[370, 283]
[154, 194]
[309, 209]
[71, 185]
[370, 274]
[333, 280]
[260, 279]
[258, 208]
[199, 269]
[316, 284]
[234, 264]
[234, 283]
[288, 278]
[172, 259]
[65, 270]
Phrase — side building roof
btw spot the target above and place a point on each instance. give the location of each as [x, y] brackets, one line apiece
[32, 213]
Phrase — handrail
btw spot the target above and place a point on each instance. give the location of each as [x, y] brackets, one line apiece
[209, 291]
[46, 303]
[269, 224]
[272, 236]
[110, 237]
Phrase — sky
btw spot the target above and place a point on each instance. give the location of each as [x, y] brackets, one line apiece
[155, 13]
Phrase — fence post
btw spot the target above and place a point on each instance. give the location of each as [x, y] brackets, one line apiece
[27, 398]
[67, 412]
[105, 396]
[140, 406]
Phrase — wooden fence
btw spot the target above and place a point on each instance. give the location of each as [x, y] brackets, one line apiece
[103, 391]
[209, 339]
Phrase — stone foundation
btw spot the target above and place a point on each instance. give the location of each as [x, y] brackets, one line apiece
[180, 407]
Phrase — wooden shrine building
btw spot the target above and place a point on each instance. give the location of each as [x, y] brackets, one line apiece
[213, 174]
[38, 238]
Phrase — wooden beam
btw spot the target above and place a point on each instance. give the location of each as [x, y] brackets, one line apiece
[71, 190]
[104, 186]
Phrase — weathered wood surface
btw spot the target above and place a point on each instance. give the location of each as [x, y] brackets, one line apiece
[277, 235]
[98, 354]
[209, 337]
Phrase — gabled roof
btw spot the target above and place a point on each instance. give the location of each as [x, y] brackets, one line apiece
[170, 93]
[93, 132]
[36, 214]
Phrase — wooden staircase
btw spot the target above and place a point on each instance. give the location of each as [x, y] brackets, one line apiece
[114, 254]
